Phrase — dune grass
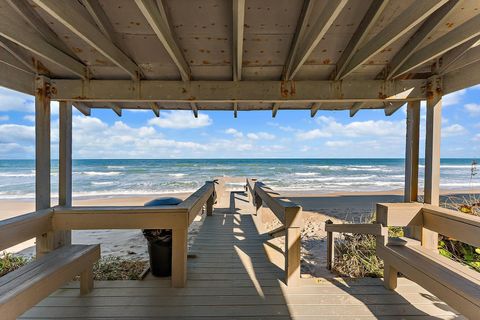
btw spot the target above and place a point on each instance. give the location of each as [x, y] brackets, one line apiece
[10, 262]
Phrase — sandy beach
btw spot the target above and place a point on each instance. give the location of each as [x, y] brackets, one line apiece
[339, 207]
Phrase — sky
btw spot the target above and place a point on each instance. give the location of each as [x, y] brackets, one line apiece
[254, 134]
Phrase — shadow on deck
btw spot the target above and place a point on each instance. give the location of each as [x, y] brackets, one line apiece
[231, 278]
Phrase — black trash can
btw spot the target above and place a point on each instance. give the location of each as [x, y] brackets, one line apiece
[160, 242]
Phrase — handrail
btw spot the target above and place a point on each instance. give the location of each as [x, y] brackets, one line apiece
[24, 227]
[290, 214]
[195, 202]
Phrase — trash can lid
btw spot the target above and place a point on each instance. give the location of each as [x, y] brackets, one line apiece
[165, 201]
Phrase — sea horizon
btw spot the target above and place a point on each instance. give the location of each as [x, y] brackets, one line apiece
[125, 177]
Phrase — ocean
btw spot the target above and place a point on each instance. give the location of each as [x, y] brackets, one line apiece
[105, 178]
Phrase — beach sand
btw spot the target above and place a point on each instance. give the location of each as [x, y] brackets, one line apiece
[317, 208]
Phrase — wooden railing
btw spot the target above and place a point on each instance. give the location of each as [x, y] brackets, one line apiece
[177, 218]
[290, 215]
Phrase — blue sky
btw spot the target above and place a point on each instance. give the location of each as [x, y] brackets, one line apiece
[292, 134]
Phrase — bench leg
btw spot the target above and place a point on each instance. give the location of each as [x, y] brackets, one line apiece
[86, 280]
[390, 275]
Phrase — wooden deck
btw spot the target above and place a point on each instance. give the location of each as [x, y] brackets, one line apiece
[230, 277]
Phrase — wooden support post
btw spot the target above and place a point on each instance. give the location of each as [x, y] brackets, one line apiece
[432, 155]
[45, 242]
[179, 255]
[293, 232]
[86, 280]
[330, 247]
[411, 160]
[210, 205]
[65, 164]
[390, 276]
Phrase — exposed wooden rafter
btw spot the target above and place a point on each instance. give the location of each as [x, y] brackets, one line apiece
[370, 18]
[402, 24]
[67, 14]
[238, 28]
[155, 108]
[275, 108]
[314, 108]
[464, 77]
[451, 57]
[391, 107]
[303, 47]
[194, 107]
[431, 23]
[469, 57]
[235, 110]
[117, 109]
[16, 52]
[356, 107]
[452, 39]
[83, 108]
[13, 29]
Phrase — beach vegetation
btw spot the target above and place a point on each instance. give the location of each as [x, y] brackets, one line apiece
[117, 268]
[10, 262]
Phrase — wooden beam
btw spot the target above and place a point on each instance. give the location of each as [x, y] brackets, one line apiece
[24, 9]
[17, 53]
[95, 9]
[83, 108]
[238, 28]
[432, 155]
[275, 108]
[298, 36]
[13, 28]
[238, 91]
[392, 107]
[152, 13]
[401, 25]
[65, 165]
[369, 20]
[314, 108]
[451, 57]
[355, 108]
[194, 109]
[461, 78]
[431, 23]
[66, 13]
[470, 57]
[412, 151]
[328, 16]
[156, 109]
[16, 79]
[452, 39]
[117, 109]
[235, 110]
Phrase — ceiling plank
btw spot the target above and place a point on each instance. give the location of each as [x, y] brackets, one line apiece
[15, 51]
[14, 29]
[471, 56]
[402, 24]
[298, 36]
[24, 9]
[155, 108]
[369, 19]
[16, 79]
[431, 23]
[83, 108]
[314, 108]
[310, 41]
[465, 77]
[66, 13]
[452, 39]
[449, 58]
[392, 107]
[98, 15]
[152, 12]
[238, 30]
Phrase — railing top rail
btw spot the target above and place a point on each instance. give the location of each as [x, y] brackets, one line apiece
[199, 196]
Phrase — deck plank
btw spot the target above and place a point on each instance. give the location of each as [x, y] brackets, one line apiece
[230, 277]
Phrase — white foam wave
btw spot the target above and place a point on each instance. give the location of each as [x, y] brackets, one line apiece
[115, 167]
[305, 174]
[102, 183]
[100, 173]
[177, 175]
[11, 174]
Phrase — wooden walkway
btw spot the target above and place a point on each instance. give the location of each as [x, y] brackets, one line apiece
[230, 277]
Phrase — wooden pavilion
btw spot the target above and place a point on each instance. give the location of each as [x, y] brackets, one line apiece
[239, 55]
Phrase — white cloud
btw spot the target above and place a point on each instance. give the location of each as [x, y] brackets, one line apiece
[234, 132]
[476, 137]
[181, 120]
[261, 136]
[453, 130]
[338, 143]
[29, 117]
[4, 118]
[473, 109]
[16, 133]
[453, 98]
[15, 101]
[313, 134]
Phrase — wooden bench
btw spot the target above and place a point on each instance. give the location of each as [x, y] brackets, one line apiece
[23, 288]
[454, 283]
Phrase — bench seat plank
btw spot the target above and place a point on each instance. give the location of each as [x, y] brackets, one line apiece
[28, 285]
[459, 286]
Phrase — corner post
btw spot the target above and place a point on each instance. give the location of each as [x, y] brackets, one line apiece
[432, 154]
[65, 164]
[411, 160]
[293, 230]
[330, 247]
[45, 242]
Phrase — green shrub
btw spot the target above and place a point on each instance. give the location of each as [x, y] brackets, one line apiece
[10, 262]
